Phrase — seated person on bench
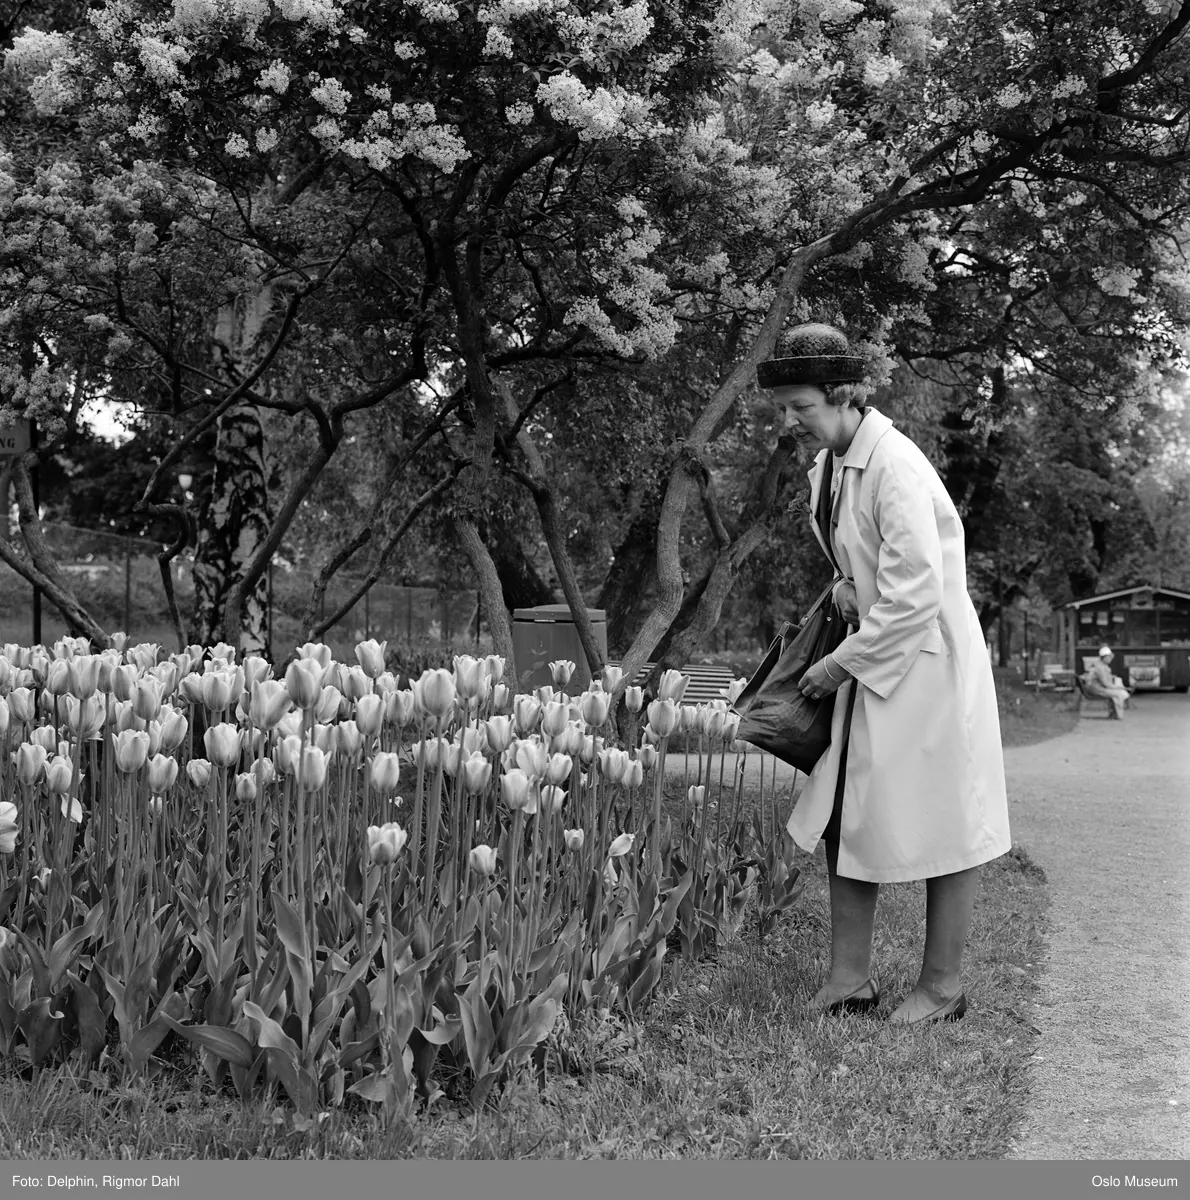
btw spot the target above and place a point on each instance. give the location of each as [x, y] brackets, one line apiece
[1102, 683]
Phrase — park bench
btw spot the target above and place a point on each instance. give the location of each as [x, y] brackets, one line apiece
[706, 681]
[1083, 695]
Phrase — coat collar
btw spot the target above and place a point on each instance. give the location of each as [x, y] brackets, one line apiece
[871, 429]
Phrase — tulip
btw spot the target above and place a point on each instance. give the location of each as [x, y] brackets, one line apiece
[144, 655]
[350, 741]
[715, 723]
[672, 686]
[647, 757]
[10, 826]
[285, 753]
[385, 771]
[153, 729]
[610, 676]
[132, 749]
[156, 807]
[356, 683]
[189, 687]
[318, 651]
[41, 878]
[526, 712]
[472, 739]
[554, 718]
[173, 728]
[5, 721]
[558, 769]
[595, 706]
[371, 656]
[691, 718]
[163, 773]
[303, 682]
[695, 794]
[59, 774]
[57, 679]
[84, 676]
[22, 705]
[477, 772]
[264, 770]
[552, 799]
[634, 774]
[5, 671]
[573, 839]
[612, 764]
[499, 733]
[268, 703]
[483, 860]
[501, 698]
[621, 845]
[634, 698]
[329, 704]
[218, 689]
[531, 756]
[72, 809]
[470, 676]
[45, 735]
[494, 665]
[434, 693]
[31, 760]
[123, 681]
[314, 768]
[369, 715]
[385, 842]
[198, 771]
[222, 744]
[561, 671]
[256, 670]
[245, 788]
[124, 716]
[570, 741]
[663, 717]
[324, 737]
[84, 718]
[516, 788]
[223, 652]
[589, 749]
[166, 674]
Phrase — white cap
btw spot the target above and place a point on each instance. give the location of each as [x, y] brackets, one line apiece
[1105, 652]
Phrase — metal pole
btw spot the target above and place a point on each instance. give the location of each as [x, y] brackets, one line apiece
[127, 586]
[36, 482]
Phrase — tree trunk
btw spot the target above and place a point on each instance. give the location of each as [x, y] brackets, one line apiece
[234, 525]
[489, 589]
[632, 576]
[520, 581]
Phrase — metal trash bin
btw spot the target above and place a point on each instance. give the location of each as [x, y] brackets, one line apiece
[546, 633]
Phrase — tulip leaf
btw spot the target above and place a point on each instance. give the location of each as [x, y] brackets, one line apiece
[228, 1045]
[139, 1048]
[538, 1020]
[478, 1034]
[447, 1031]
[42, 1026]
[42, 982]
[66, 948]
[374, 1088]
[354, 1051]
[8, 898]
[271, 1035]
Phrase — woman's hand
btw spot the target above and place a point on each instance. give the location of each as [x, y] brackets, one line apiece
[818, 681]
[846, 601]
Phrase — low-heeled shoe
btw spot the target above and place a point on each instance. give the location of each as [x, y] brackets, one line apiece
[855, 1003]
[952, 1010]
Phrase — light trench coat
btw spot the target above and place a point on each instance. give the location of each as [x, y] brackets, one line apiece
[924, 793]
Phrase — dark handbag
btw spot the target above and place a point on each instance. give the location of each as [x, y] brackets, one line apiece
[774, 715]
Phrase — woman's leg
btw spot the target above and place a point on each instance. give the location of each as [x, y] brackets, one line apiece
[853, 914]
[950, 901]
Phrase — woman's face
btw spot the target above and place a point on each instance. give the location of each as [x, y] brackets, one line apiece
[803, 412]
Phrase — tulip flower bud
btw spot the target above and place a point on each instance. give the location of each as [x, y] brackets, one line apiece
[663, 717]
[349, 741]
[531, 756]
[163, 773]
[714, 724]
[268, 702]
[198, 771]
[435, 694]
[57, 679]
[501, 698]
[256, 670]
[384, 772]
[621, 845]
[647, 757]
[84, 675]
[552, 799]
[184, 664]
[218, 691]
[385, 684]
[320, 652]
[71, 808]
[634, 774]
[494, 665]
[558, 769]
[477, 772]
[222, 744]
[156, 806]
[385, 842]
[595, 706]
[189, 687]
[369, 715]
[610, 676]
[123, 681]
[22, 705]
[153, 729]
[589, 749]
[166, 674]
[499, 733]
[357, 683]
[124, 716]
[31, 760]
[483, 860]
[470, 677]
[303, 682]
[561, 671]
[515, 787]
[634, 698]
[554, 718]
[174, 727]
[526, 713]
[245, 788]
[41, 878]
[327, 707]
[314, 768]
[45, 735]
[573, 839]
[5, 722]
[5, 671]
[611, 765]
[691, 718]
[264, 771]
[371, 656]
[132, 749]
[672, 686]
[144, 655]
[10, 825]
[59, 774]
[325, 737]
[223, 652]
[695, 794]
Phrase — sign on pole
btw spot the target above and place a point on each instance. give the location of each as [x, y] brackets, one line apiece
[16, 438]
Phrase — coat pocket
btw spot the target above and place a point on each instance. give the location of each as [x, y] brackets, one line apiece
[933, 640]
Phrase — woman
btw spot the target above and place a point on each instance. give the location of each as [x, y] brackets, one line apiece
[912, 786]
[1103, 684]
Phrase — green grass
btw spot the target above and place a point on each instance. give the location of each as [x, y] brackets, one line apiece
[1027, 715]
[724, 1064]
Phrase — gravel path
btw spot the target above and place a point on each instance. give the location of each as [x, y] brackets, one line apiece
[1105, 811]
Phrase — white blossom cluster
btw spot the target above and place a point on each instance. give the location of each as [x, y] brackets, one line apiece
[405, 129]
[1116, 280]
[596, 113]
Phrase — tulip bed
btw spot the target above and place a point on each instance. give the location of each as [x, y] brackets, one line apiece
[337, 887]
